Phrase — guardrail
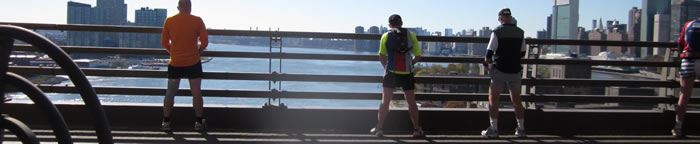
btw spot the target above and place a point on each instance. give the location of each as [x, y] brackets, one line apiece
[353, 78]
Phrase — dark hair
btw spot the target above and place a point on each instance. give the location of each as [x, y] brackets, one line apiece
[504, 12]
[184, 3]
[395, 20]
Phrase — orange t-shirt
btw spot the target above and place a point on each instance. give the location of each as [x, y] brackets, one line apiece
[180, 34]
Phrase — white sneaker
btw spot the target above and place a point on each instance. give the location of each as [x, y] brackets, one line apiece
[376, 131]
[520, 133]
[200, 126]
[677, 132]
[165, 126]
[418, 133]
[490, 133]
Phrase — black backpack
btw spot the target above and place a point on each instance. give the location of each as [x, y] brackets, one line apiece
[692, 33]
[400, 40]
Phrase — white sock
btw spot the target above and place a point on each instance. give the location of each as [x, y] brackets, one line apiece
[521, 124]
[494, 123]
[679, 124]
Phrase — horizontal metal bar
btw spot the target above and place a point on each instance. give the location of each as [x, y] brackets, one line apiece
[142, 29]
[345, 78]
[162, 52]
[368, 95]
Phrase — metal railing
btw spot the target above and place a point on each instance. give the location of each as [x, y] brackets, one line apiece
[354, 78]
[7, 35]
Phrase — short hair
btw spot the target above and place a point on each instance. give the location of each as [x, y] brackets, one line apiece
[504, 12]
[395, 20]
[184, 3]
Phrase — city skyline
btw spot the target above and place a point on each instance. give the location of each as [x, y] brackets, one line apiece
[344, 16]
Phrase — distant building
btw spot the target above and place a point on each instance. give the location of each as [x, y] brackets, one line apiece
[549, 27]
[681, 12]
[564, 23]
[633, 24]
[634, 29]
[145, 17]
[373, 45]
[359, 30]
[151, 17]
[479, 49]
[568, 72]
[597, 34]
[360, 45]
[80, 13]
[649, 9]
[106, 12]
[448, 32]
[583, 50]
[617, 35]
[661, 32]
[595, 22]
[542, 34]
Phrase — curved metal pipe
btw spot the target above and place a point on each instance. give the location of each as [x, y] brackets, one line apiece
[21, 130]
[60, 129]
[78, 78]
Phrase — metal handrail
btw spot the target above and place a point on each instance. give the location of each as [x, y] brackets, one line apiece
[144, 91]
[307, 56]
[62, 59]
[343, 78]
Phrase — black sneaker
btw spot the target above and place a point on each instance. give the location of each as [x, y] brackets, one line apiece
[418, 133]
[677, 132]
[200, 126]
[377, 131]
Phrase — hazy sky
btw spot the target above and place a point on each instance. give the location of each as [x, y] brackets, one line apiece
[340, 15]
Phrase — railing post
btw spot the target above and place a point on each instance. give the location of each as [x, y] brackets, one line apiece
[5, 50]
[668, 73]
[275, 95]
[533, 52]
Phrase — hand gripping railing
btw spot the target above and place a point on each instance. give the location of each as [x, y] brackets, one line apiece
[7, 35]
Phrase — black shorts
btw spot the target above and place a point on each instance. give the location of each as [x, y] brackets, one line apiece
[190, 72]
[405, 81]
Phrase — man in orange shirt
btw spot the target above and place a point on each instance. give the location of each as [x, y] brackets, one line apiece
[179, 38]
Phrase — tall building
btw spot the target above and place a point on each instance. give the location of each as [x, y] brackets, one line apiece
[145, 17]
[106, 12]
[595, 22]
[80, 13]
[597, 34]
[681, 12]
[113, 12]
[617, 35]
[373, 45]
[549, 27]
[649, 9]
[359, 30]
[583, 50]
[448, 32]
[360, 45]
[564, 23]
[634, 29]
[661, 32]
[151, 17]
[634, 21]
[542, 34]
[479, 49]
